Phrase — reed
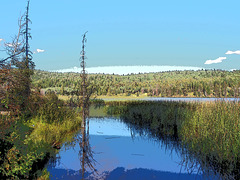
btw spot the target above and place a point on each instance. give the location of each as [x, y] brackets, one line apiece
[209, 132]
[213, 133]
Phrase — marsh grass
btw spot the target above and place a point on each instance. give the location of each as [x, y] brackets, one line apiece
[55, 133]
[213, 133]
[209, 132]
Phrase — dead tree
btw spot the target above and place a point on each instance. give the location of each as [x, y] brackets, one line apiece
[10, 80]
[84, 101]
[17, 67]
[27, 63]
[85, 153]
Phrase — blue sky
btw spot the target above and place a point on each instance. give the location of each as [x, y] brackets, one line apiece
[153, 32]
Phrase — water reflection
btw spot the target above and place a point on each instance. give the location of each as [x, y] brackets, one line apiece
[189, 99]
[117, 155]
[86, 154]
[176, 99]
[163, 122]
[143, 143]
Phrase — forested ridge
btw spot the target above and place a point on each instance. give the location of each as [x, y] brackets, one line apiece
[202, 83]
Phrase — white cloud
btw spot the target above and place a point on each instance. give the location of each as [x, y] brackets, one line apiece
[39, 51]
[129, 69]
[218, 60]
[233, 52]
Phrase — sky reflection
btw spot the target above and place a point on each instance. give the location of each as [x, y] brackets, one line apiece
[113, 147]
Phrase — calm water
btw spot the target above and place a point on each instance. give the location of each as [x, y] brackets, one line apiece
[117, 155]
[175, 99]
[190, 99]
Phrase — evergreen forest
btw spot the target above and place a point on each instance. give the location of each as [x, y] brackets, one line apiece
[202, 83]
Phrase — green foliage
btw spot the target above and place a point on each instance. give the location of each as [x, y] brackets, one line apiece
[202, 83]
[17, 155]
[54, 110]
[26, 140]
[45, 175]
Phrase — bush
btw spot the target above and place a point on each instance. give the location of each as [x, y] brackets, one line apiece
[53, 109]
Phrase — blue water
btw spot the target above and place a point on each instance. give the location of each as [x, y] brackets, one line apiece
[174, 99]
[119, 156]
[189, 99]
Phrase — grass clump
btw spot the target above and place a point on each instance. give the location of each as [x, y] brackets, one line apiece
[55, 133]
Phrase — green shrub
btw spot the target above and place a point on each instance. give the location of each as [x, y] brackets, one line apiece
[54, 110]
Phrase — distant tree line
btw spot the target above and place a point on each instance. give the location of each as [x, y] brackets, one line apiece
[202, 83]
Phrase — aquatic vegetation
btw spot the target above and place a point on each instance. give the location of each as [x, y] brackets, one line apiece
[213, 134]
[208, 132]
[54, 134]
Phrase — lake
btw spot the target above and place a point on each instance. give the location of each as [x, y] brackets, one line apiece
[190, 99]
[118, 151]
[184, 99]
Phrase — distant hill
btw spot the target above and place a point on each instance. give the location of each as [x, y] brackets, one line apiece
[188, 83]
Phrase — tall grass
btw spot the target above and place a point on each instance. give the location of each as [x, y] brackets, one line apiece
[209, 132]
[54, 134]
[213, 133]
[217, 124]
